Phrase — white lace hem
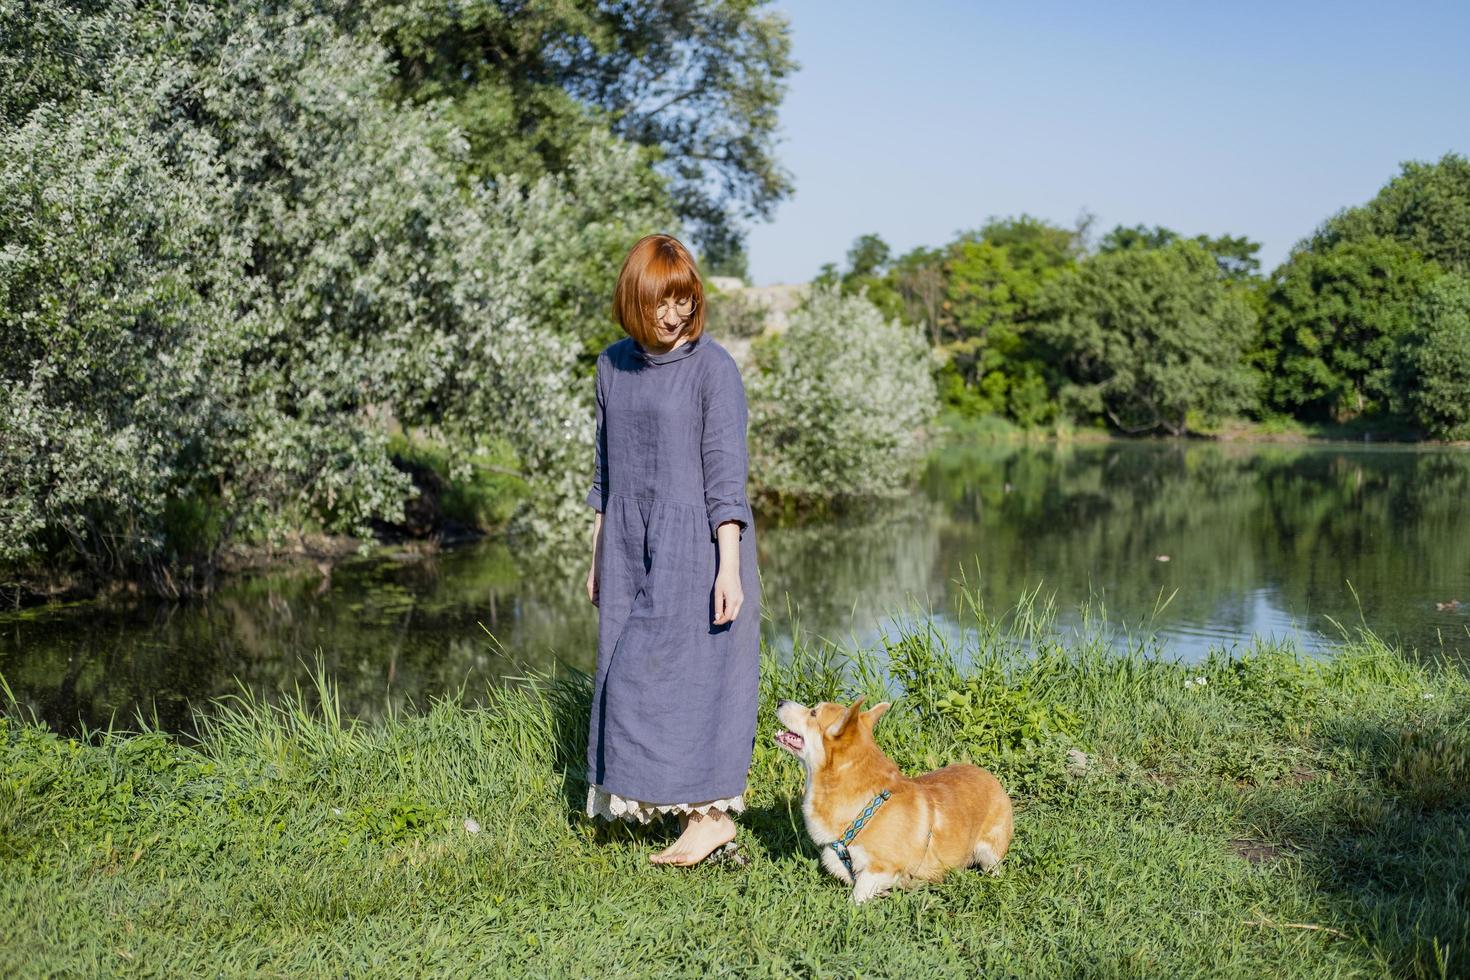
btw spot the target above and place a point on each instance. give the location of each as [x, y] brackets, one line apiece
[611, 806]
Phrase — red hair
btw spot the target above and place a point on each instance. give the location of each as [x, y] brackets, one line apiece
[656, 267]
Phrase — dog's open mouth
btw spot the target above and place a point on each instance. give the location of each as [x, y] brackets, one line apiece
[790, 741]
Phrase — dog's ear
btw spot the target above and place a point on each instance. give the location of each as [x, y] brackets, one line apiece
[840, 725]
[877, 711]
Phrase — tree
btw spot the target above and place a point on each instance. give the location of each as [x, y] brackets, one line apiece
[1147, 337]
[223, 273]
[1122, 238]
[993, 279]
[121, 309]
[1333, 320]
[986, 295]
[1434, 380]
[1427, 207]
[698, 83]
[1033, 243]
[50, 52]
[839, 402]
[869, 256]
[918, 283]
[734, 264]
[1234, 254]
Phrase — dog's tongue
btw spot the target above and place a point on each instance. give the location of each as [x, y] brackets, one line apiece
[790, 740]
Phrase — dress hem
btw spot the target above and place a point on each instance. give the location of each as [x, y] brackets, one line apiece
[611, 806]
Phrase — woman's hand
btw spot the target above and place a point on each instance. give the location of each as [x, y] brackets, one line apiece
[728, 596]
[596, 550]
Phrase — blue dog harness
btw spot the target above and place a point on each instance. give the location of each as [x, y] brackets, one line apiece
[839, 846]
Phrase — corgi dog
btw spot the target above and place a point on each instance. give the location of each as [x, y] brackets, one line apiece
[878, 828]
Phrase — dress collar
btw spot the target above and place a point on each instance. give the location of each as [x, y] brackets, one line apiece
[668, 357]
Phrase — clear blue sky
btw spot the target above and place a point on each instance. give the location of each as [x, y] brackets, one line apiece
[917, 120]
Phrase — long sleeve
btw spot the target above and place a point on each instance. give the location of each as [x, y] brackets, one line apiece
[723, 448]
[597, 496]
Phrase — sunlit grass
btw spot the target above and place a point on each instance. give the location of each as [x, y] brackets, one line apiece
[1258, 814]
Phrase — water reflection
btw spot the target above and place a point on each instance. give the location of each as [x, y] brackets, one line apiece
[1259, 541]
[1285, 541]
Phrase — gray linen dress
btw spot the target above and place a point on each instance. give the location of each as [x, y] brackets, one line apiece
[674, 697]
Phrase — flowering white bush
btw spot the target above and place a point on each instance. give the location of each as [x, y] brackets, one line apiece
[839, 402]
[123, 323]
[227, 254]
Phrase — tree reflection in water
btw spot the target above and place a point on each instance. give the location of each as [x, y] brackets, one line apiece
[1260, 540]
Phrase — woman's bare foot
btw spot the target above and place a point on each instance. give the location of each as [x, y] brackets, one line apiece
[703, 833]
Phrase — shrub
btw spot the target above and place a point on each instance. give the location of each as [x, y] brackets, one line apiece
[223, 275]
[736, 315]
[839, 402]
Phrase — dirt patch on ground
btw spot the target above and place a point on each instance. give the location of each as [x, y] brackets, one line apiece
[1258, 852]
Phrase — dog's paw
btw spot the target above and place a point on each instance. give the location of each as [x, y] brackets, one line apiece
[834, 867]
[870, 886]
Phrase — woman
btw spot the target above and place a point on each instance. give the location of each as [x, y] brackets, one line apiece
[673, 565]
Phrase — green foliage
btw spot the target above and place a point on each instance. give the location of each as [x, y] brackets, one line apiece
[391, 822]
[735, 315]
[1234, 254]
[121, 298]
[1028, 397]
[1274, 684]
[979, 299]
[1034, 244]
[913, 290]
[839, 403]
[868, 263]
[1123, 238]
[1434, 383]
[483, 491]
[991, 297]
[986, 292]
[51, 52]
[1147, 336]
[869, 256]
[572, 231]
[992, 279]
[1333, 321]
[698, 84]
[1426, 207]
[994, 716]
[229, 260]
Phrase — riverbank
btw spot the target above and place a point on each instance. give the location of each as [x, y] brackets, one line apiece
[959, 429]
[1257, 815]
[443, 513]
[448, 512]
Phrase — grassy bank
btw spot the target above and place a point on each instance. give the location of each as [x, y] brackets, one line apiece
[1257, 815]
[957, 428]
[954, 427]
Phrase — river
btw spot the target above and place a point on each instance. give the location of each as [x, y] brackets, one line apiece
[1198, 545]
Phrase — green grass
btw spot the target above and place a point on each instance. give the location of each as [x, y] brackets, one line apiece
[957, 427]
[1281, 428]
[1287, 817]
